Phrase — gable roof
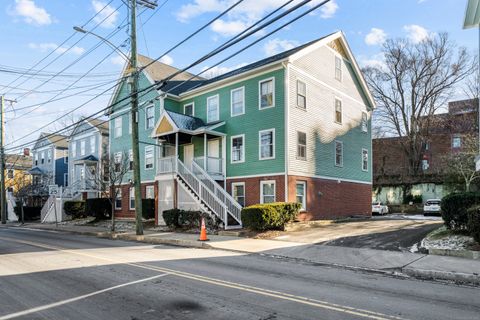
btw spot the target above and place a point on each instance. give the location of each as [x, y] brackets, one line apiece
[58, 140]
[18, 161]
[170, 122]
[101, 125]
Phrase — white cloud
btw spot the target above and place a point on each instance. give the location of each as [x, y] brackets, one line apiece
[228, 28]
[376, 61]
[375, 37]
[217, 70]
[276, 45]
[328, 10]
[118, 60]
[167, 60]
[416, 33]
[30, 12]
[49, 46]
[105, 12]
[199, 7]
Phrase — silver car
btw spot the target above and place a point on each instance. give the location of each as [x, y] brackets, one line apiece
[379, 208]
[432, 207]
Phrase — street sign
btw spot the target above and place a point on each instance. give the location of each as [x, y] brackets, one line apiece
[53, 190]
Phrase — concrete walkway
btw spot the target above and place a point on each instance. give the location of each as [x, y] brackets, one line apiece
[389, 262]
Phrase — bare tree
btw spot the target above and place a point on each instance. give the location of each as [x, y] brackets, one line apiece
[461, 164]
[110, 177]
[472, 82]
[415, 82]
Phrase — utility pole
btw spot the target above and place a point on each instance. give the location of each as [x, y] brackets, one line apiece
[3, 194]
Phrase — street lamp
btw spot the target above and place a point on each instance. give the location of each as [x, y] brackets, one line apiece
[81, 30]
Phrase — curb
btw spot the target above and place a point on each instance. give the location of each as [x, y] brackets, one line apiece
[467, 254]
[459, 278]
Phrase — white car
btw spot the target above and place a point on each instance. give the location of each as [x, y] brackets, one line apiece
[432, 206]
[379, 208]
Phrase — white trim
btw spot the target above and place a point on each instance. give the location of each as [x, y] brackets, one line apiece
[130, 198]
[302, 174]
[335, 110]
[120, 119]
[304, 203]
[235, 184]
[368, 160]
[217, 96]
[274, 189]
[257, 175]
[193, 108]
[260, 93]
[340, 58]
[361, 123]
[243, 148]
[297, 144]
[260, 144]
[82, 136]
[335, 153]
[146, 117]
[146, 191]
[297, 80]
[286, 106]
[145, 157]
[243, 102]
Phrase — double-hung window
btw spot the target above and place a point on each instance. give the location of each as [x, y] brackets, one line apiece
[150, 192]
[117, 159]
[118, 198]
[189, 109]
[49, 156]
[118, 126]
[267, 144]
[132, 198]
[267, 94]
[301, 145]
[267, 191]
[213, 109]
[149, 117]
[238, 101]
[93, 143]
[338, 111]
[301, 94]
[364, 122]
[74, 148]
[456, 142]
[42, 157]
[238, 149]
[82, 147]
[364, 159]
[130, 159]
[338, 68]
[36, 159]
[339, 153]
[149, 157]
[238, 192]
[301, 189]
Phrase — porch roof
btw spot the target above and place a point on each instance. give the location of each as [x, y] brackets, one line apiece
[87, 159]
[36, 170]
[173, 122]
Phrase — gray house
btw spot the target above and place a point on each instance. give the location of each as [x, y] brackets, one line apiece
[88, 146]
[50, 160]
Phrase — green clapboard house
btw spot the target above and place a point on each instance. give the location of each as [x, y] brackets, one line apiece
[291, 127]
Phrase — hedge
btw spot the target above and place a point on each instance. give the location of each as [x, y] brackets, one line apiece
[187, 219]
[474, 222]
[269, 216]
[454, 209]
[100, 208]
[76, 209]
[29, 213]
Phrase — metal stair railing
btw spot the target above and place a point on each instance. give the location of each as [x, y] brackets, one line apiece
[46, 208]
[233, 207]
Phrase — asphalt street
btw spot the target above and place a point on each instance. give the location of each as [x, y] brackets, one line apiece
[51, 275]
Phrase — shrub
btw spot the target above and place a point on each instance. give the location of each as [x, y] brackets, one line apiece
[190, 219]
[187, 219]
[148, 208]
[474, 222]
[100, 208]
[454, 209]
[269, 216]
[29, 213]
[417, 199]
[171, 218]
[76, 209]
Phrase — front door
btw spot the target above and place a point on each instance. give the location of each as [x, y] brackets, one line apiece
[188, 155]
[213, 161]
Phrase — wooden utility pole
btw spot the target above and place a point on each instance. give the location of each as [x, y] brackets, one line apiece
[3, 194]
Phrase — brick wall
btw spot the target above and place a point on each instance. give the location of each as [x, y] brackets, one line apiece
[125, 212]
[252, 188]
[328, 199]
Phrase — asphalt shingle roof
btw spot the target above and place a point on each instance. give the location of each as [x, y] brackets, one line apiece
[185, 122]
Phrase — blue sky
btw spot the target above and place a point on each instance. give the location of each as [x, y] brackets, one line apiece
[31, 29]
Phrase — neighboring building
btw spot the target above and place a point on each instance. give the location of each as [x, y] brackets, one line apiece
[292, 127]
[87, 151]
[50, 160]
[447, 132]
[16, 171]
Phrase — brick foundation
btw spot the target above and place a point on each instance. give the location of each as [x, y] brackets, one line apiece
[125, 212]
[252, 188]
[327, 199]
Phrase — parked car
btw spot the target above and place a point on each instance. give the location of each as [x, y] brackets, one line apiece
[379, 208]
[432, 207]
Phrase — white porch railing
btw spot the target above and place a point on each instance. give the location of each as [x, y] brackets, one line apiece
[165, 165]
[214, 165]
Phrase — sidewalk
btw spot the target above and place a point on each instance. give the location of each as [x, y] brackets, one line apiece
[388, 262]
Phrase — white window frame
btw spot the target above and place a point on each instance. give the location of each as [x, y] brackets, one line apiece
[83, 145]
[298, 145]
[368, 160]
[150, 107]
[231, 102]
[260, 93]
[117, 159]
[335, 110]
[117, 127]
[148, 190]
[338, 58]
[260, 144]
[193, 108]
[335, 153]
[237, 184]
[243, 148]
[93, 144]
[152, 150]
[304, 199]
[42, 157]
[459, 142]
[131, 197]
[304, 96]
[364, 123]
[218, 107]
[130, 160]
[274, 190]
[118, 196]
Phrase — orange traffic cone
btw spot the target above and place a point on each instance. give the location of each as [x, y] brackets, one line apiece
[203, 231]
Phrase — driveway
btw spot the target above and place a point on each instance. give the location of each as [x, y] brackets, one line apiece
[393, 232]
